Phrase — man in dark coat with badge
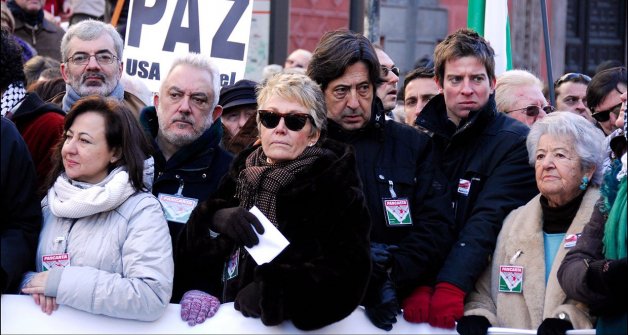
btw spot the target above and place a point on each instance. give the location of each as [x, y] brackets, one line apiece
[483, 154]
[411, 222]
[189, 162]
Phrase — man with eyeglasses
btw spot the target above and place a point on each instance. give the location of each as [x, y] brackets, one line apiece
[92, 64]
[387, 90]
[189, 161]
[570, 91]
[483, 154]
[604, 99]
[519, 94]
[411, 228]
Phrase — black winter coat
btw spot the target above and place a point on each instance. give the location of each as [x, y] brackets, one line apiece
[488, 150]
[321, 276]
[20, 207]
[197, 168]
[388, 151]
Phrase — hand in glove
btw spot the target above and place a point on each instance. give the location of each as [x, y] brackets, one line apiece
[196, 306]
[247, 301]
[384, 313]
[238, 224]
[416, 307]
[381, 254]
[473, 325]
[446, 306]
[554, 326]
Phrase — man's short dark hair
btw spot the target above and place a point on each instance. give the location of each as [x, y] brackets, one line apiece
[10, 61]
[603, 83]
[463, 43]
[420, 72]
[336, 51]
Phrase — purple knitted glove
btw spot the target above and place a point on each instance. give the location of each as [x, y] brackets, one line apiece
[196, 306]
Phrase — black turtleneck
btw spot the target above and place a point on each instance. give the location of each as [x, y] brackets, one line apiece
[558, 219]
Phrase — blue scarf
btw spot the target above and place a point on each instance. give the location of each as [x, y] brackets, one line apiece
[71, 96]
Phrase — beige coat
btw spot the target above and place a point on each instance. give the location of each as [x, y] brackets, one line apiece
[522, 231]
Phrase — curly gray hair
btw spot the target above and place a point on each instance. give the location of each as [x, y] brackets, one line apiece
[588, 141]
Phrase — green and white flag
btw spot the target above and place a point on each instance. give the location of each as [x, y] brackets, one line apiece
[490, 19]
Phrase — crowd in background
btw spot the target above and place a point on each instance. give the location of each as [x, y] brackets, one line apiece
[463, 199]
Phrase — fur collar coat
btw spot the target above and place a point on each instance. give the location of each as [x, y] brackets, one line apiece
[520, 243]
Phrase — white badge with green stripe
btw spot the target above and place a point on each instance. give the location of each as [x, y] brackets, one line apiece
[510, 278]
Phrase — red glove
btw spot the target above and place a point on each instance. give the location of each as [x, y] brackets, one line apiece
[447, 306]
[416, 307]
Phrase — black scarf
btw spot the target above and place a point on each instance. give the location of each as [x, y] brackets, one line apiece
[259, 182]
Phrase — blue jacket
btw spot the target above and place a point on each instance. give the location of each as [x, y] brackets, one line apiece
[388, 151]
[199, 167]
[488, 151]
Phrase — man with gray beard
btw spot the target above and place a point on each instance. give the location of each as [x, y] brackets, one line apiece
[189, 162]
[91, 53]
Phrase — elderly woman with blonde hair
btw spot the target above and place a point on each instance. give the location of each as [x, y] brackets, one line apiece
[520, 288]
[308, 187]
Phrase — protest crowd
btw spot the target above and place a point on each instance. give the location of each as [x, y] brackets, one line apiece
[470, 203]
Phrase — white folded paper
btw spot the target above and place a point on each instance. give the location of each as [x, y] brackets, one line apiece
[271, 243]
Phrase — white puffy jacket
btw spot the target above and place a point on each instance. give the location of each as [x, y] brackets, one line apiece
[121, 260]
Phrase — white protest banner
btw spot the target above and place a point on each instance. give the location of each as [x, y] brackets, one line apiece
[160, 30]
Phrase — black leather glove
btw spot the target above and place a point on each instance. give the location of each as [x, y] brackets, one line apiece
[473, 325]
[383, 314]
[554, 326]
[247, 301]
[381, 254]
[238, 224]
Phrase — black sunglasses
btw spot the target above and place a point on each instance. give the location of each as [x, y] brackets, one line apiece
[393, 69]
[533, 110]
[572, 76]
[294, 122]
[603, 116]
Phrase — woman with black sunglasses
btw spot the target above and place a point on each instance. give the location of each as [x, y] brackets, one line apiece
[308, 187]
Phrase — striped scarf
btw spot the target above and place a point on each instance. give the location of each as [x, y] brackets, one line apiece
[259, 182]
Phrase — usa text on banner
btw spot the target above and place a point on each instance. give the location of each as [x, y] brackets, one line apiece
[160, 30]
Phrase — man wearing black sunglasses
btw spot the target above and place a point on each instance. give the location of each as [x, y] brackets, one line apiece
[411, 228]
[387, 90]
[519, 94]
[603, 97]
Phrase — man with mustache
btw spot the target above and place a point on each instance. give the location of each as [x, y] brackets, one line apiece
[411, 222]
[189, 162]
[91, 54]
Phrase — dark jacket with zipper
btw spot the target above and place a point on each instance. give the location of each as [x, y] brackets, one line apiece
[388, 152]
[196, 169]
[320, 277]
[486, 162]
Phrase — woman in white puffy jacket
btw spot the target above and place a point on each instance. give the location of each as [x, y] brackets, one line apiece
[105, 246]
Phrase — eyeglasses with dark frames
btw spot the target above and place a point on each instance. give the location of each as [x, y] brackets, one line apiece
[393, 69]
[82, 58]
[572, 76]
[294, 122]
[603, 116]
[534, 110]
